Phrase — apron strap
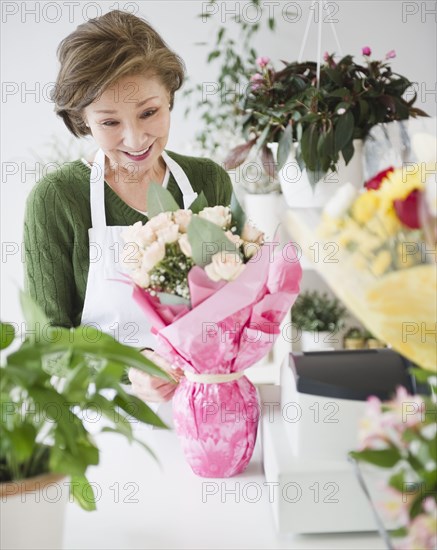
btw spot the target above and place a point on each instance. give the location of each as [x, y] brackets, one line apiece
[188, 194]
[97, 191]
[97, 187]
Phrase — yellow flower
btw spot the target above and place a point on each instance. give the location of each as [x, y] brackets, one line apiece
[360, 263]
[400, 183]
[365, 206]
[381, 263]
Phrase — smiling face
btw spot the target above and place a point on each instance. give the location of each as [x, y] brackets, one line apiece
[130, 121]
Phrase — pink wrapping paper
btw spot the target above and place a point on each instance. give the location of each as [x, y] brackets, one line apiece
[230, 327]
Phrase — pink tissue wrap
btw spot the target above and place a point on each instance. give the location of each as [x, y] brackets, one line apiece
[229, 327]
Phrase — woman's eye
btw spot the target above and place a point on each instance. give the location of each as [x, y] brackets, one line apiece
[148, 114]
[109, 123]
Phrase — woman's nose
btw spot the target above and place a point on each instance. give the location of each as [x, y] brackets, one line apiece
[134, 137]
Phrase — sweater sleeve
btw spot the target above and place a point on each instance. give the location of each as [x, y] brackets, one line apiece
[48, 243]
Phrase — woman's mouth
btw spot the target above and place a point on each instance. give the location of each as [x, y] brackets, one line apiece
[139, 155]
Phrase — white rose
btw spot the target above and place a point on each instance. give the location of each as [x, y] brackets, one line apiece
[341, 201]
[220, 215]
[224, 266]
[182, 218]
[185, 245]
[153, 254]
[168, 234]
[236, 239]
[141, 278]
[160, 221]
[138, 234]
[251, 234]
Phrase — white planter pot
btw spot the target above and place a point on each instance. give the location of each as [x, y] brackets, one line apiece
[263, 210]
[298, 192]
[32, 513]
[318, 341]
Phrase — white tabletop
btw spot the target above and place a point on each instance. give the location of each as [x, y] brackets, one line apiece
[144, 506]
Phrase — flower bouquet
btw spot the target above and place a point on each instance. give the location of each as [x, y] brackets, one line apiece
[215, 294]
[381, 246]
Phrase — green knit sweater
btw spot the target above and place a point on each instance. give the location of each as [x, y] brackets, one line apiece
[57, 220]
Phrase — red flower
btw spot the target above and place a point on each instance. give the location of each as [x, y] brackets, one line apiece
[408, 209]
[375, 182]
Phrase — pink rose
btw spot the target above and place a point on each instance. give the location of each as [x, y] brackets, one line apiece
[262, 61]
[390, 55]
[366, 51]
[326, 56]
[256, 81]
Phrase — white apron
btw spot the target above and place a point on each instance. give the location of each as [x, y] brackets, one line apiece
[109, 305]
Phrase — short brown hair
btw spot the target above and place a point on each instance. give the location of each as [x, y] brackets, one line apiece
[100, 52]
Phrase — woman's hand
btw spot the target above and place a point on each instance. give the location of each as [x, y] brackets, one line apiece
[153, 388]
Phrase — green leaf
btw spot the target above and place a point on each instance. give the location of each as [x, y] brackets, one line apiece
[213, 55]
[238, 215]
[364, 110]
[314, 176]
[199, 203]
[35, 318]
[22, 440]
[308, 144]
[335, 76]
[7, 335]
[207, 239]
[263, 138]
[139, 410]
[386, 458]
[220, 34]
[348, 152]
[89, 343]
[397, 481]
[285, 145]
[159, 200]
[344, 130]
[83, 493]
[271, 23]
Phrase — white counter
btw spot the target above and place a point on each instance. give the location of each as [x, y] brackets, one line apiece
[145, 506]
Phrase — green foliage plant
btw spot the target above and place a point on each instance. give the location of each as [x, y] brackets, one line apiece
[49, 385]
[314, 311]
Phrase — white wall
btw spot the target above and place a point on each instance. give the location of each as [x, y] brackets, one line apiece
[28, 59]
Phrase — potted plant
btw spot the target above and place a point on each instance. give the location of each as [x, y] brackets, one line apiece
[318, 318]
[372, 342]
[49, 386]
[354, 339]
[321, 114]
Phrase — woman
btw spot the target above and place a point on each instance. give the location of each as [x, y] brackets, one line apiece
[116, 82]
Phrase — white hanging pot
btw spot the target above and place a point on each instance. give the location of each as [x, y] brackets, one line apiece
[297, 190]
[32, 512]
[263, 210]
[317, 341]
